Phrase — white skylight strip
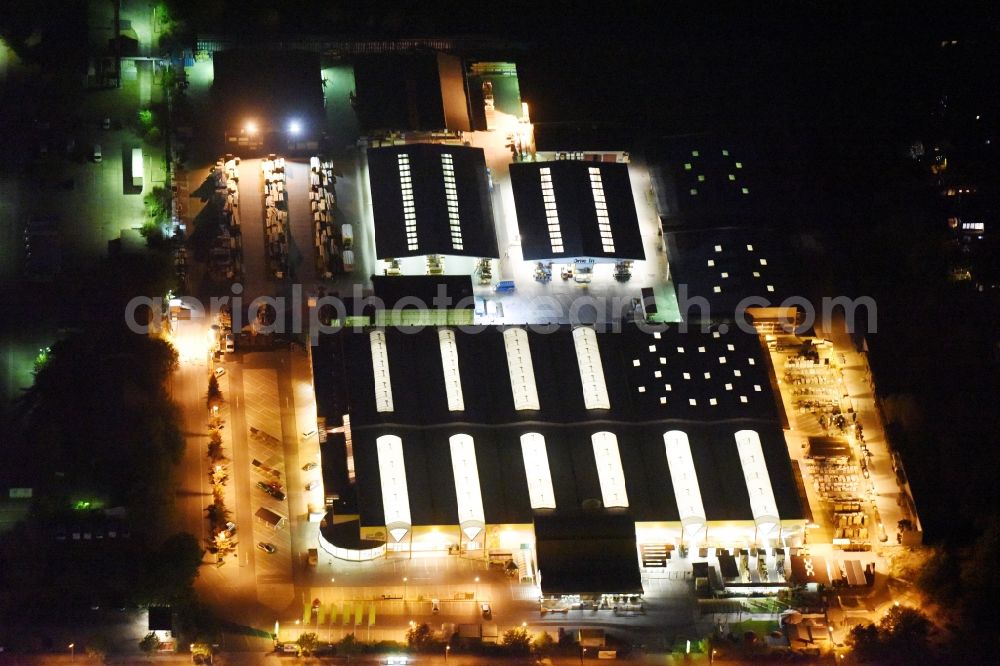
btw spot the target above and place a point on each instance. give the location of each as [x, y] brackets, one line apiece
[467, 490]
[451, 198]
[588, 357]
[406, 189]
[551, 211]
[452, 377]
[380, 372]
[536, 470]
[762, 503]
[601, 208]
[522, 372]
[685, 481]
[392, 471]
[609, 469]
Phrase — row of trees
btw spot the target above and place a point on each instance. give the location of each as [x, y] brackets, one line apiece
[420, 638]
[222, 541]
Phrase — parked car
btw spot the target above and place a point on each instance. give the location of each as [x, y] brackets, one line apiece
[308, 467]
[272, 490]
[312, 485]
[487, 611]
[269, 548]
[230, 528]
[219, 372]
[97, 156]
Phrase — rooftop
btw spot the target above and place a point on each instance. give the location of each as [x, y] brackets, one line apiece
[573, 208]
[431, 199]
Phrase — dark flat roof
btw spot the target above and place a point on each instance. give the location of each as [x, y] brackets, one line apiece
[392, 290]
[704, 178]
[434, 228]
[592, 552]
[291, 79]
[577, 214]
[422, 90]
[724, 266]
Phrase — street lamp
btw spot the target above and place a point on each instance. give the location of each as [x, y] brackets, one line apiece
[251, 127]
[294, 127]
[404, 588]
[477, 588]
[447, 649]
[72, 651]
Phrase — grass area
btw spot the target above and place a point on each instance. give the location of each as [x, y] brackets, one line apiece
[759, 627]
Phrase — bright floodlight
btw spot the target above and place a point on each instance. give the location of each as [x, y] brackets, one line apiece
[294, 126]
[251, 127]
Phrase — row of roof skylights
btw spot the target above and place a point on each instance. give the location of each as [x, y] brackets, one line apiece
[380, 372]
[601, 207]
[409, 210]
[588, 357]
[522, 372]
[551, 213]
[452, 376]
[451, 198]
[611, 475]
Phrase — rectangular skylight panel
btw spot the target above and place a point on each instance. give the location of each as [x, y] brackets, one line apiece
[467, 490]
[609, 469]
[380, 372]
[522, 373]
[392, 472]
[762, 502]
[684, 479]
[452, 377]
[536, 470]
[588, 357]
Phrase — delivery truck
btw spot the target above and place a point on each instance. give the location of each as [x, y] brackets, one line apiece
[137, 167]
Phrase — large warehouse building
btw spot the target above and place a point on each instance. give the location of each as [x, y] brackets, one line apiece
[570, 452]
[431, 199]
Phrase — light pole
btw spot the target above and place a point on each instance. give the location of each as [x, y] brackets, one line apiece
[404, 588]
[72, 651]
[477, 588]
[447, 649]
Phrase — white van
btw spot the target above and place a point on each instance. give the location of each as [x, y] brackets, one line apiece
[97, 157]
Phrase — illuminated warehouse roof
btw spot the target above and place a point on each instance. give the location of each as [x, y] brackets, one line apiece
[671, 446]
[431, 199]
[572, 208]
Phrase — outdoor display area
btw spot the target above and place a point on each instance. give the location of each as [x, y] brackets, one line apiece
[225, 259]
[333, 245]
[275, 215]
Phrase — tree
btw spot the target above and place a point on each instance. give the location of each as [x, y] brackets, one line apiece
[214, 396]
[516, 640]
[173, 567]
[348, 645]
[543, 643]
[150, 643]
[215, 453]
[901, 637]
[420, 638]
[308, 643]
